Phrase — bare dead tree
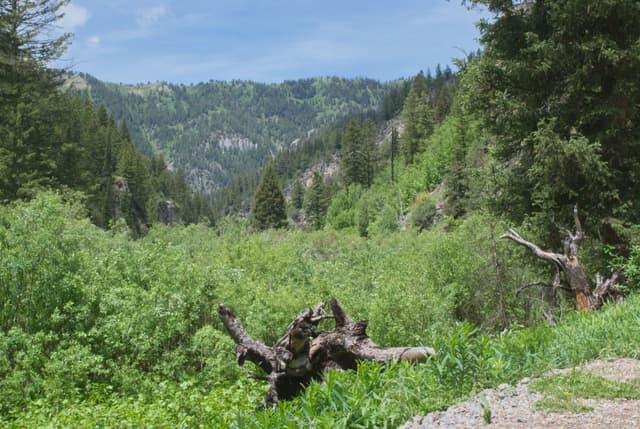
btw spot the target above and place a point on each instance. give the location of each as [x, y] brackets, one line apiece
[303, 353]
[577, 280]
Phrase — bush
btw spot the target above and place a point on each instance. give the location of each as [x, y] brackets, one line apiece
[424, 213]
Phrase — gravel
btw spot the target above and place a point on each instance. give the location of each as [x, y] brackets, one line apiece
[512, 406]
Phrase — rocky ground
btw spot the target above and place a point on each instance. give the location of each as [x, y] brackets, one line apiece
[513, 406]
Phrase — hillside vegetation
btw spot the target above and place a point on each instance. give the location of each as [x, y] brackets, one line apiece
[103, 324]
[99, 329]
[217, 131]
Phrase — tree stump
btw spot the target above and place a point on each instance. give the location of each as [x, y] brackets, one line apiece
[303, 353]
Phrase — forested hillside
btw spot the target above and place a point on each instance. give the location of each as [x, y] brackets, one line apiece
[461, 215]
[217, 131]
[51, 140]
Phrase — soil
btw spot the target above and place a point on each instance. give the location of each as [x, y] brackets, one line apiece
[513, 406]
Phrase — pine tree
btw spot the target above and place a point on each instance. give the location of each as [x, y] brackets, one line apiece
[394, 152]
[370, 150]
[418, 118]
[269, 208]
[354, 162]
[557, 88]
[456, 187]
[315, 201]
[28, 94]
[297, 195]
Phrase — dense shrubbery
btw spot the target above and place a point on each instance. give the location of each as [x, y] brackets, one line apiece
[98, 329]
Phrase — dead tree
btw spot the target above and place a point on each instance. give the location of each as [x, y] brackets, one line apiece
[303, 353]
[577, 281]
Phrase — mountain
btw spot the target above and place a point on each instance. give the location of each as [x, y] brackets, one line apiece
[216, 131]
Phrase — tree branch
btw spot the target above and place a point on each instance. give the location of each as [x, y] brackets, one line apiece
[246, 346]
[554, 258]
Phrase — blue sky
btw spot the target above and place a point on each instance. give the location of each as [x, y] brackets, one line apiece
[190, 41]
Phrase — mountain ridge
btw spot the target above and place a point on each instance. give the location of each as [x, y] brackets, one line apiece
[213, 132]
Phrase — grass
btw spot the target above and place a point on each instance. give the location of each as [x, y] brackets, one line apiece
[562, 391]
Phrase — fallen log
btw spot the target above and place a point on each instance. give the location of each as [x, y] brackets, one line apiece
[303, 353]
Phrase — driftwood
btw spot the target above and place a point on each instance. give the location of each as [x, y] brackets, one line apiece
[303, 353]
[587, 296]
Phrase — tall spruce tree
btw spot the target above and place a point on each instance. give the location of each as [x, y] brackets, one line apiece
[297, 195]
[557, 87]
[359, 152]
[370, 149]
[315, 201]
[354, 165]
[269, 208]
[28, 94]
[418, 119]
[394, 152]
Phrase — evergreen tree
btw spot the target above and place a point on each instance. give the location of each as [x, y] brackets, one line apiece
[269, 209]
[28, 94]
[557, 87]
[358, 152]
[354, 157]
[456, 184]
[315, 202]
[297, 195]
[394, 152]
[370, 150]
[418, 119]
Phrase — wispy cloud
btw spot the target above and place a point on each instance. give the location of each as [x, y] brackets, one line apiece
[74, 17]
[93, 41]
[150, 16]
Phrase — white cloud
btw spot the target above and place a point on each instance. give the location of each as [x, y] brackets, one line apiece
[151, 15]
[74, 17]
[93, 41]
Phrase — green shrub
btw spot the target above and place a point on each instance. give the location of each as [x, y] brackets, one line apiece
[423, 214]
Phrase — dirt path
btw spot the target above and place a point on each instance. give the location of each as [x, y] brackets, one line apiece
[512, 406]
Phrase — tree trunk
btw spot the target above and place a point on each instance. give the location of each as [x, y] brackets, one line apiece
[587, 297]
[302, 354]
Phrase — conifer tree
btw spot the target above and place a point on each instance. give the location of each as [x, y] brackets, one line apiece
[394, 152]
[418, 119]
[557, 88]
[27, 94]
[370, 150]
[350, 159]
[297, 195]
[315, 201]
[269, 209]
[354, 162]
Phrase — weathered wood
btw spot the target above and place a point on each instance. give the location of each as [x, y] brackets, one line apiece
[302, 354]
[349, 343]
[587, 297]
[246, 347]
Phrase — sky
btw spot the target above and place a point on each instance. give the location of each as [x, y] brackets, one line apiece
[191, 41]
